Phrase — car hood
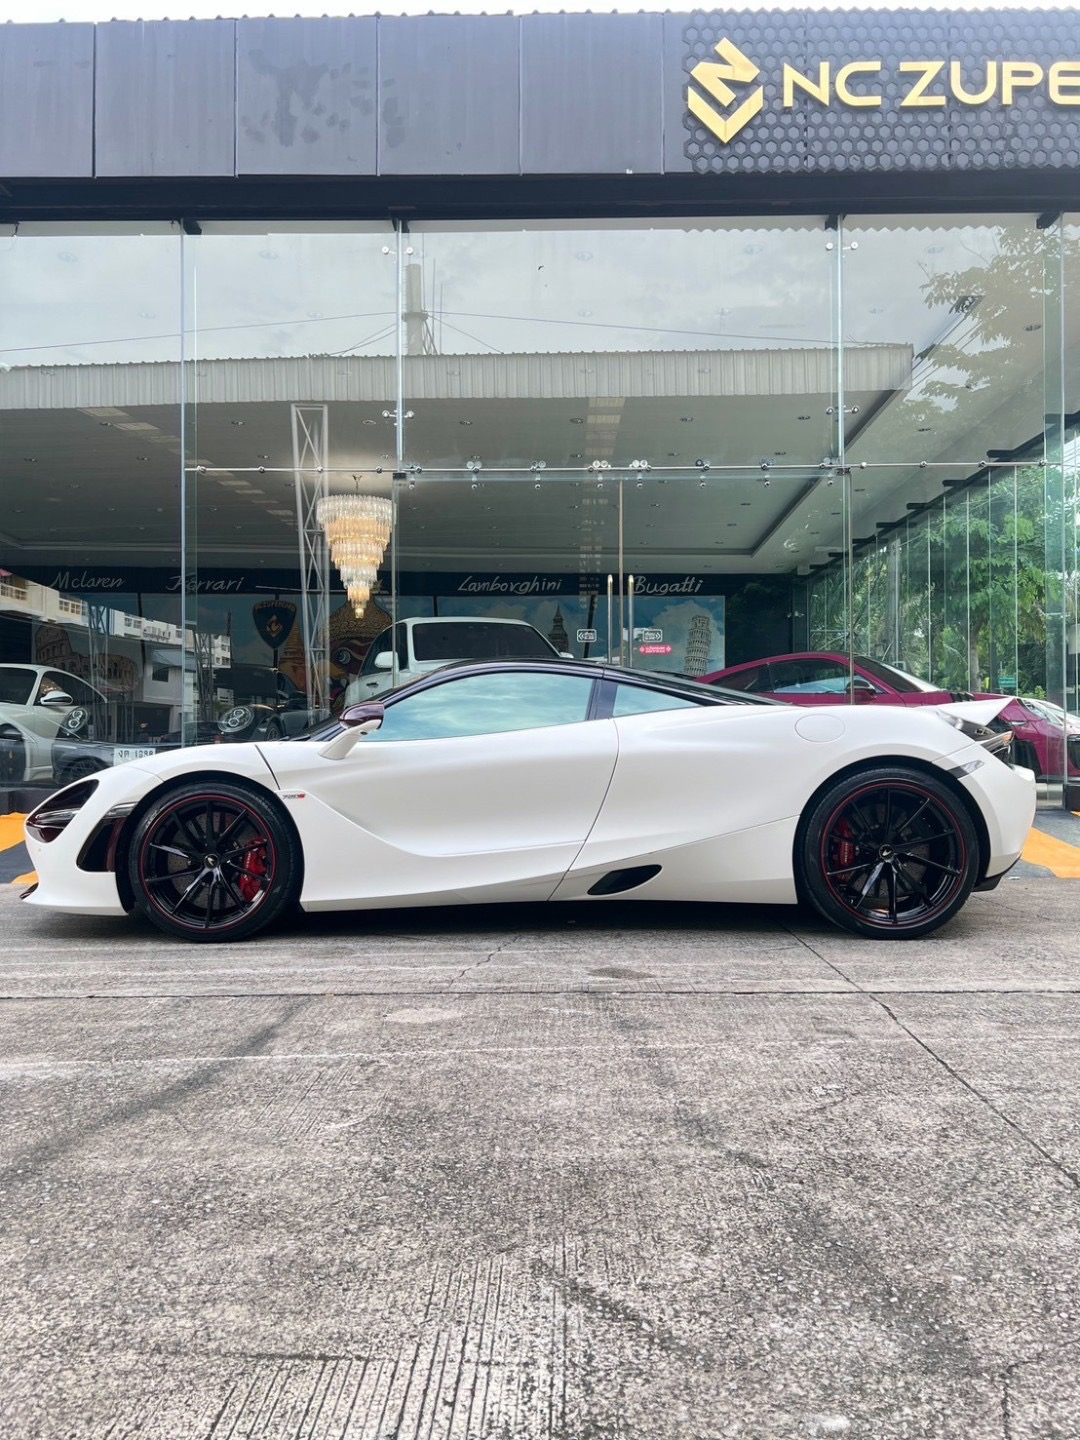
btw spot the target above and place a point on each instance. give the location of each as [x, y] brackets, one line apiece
[979, 712]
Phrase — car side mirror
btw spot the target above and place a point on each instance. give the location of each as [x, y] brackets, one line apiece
[384, 660]
[358, 720]
[861, 689]
[56, 697]
[365, 717]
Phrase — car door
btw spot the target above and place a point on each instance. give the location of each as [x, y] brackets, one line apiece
[701, 789]
[479, 781]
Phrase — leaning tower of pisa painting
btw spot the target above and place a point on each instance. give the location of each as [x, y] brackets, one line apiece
[698, 645]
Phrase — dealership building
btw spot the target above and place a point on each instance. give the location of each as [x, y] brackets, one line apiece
[691, 339]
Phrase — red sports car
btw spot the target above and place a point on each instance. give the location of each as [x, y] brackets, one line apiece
[822, 677]
[1041, 730]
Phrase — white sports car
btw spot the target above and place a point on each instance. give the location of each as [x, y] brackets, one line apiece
[555, 780]
[35, 700]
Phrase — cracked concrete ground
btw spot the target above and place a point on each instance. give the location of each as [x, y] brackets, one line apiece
[579, 1172]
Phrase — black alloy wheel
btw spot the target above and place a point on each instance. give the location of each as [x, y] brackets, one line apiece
[275, 730]
[890, 853]
[213, 862]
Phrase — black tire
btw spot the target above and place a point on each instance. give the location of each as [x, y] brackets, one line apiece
[212, 861]
[80, 769]
[275, 730]
[12, 757]
[889, 853]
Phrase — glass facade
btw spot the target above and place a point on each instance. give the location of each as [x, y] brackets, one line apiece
[687, 444]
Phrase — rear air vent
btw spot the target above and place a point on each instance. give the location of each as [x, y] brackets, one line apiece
[616, 881]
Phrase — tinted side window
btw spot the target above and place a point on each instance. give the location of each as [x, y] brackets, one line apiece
[753, 680]
[16, 685]
[637, 700]
[487, 705]
[80, 693]
[809, 677]
[476, 640]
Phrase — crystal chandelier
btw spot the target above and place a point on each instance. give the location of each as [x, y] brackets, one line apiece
[357, 529]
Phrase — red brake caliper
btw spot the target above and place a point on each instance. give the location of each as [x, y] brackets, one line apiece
[252, 871]
[845, 849]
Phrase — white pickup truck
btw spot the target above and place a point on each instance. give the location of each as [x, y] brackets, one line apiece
[426, 642]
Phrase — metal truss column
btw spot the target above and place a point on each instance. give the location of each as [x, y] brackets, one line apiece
[310, 437]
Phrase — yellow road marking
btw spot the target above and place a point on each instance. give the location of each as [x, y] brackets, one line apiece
[11, 831]
[1060, 858]
[30, 879]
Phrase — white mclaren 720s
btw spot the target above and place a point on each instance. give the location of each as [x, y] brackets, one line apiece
[551, 780]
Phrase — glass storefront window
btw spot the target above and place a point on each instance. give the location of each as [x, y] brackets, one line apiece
[291, 339]
[91, 641]
[680, 443]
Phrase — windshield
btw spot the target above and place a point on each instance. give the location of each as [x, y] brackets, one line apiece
[16, 685]
[897, 679]
[478, 640]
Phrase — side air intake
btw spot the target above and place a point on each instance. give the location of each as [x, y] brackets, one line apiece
[616, 881]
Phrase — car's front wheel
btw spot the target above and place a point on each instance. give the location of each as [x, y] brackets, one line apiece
[213, 862]
[889, 853]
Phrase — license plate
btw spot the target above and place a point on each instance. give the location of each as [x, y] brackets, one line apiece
[131, 752]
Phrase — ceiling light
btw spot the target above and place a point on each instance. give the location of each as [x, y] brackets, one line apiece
[357, 530]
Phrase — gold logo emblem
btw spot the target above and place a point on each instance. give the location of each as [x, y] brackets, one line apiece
[713, 79]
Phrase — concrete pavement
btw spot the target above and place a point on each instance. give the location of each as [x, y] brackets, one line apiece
[590, 1172]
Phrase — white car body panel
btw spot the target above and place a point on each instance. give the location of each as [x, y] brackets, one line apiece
[713, 795]
[464, 814]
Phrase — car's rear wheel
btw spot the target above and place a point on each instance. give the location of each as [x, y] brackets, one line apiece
[890, 853]
[12, 757]
[213, 862]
